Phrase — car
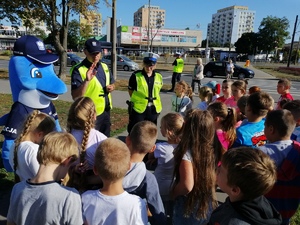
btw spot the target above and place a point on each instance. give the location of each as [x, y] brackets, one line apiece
[122, 62]
[218, 68]
[72, 59]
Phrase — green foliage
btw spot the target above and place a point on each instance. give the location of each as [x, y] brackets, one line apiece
[272, 32]
[246, 44]
[6, 53]
[73, 34]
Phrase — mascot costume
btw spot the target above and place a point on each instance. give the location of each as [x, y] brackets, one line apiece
[34, 85]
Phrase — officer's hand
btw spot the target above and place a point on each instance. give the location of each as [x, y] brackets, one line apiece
[110, 88]
[91, 72]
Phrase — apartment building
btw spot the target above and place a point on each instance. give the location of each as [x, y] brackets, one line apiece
[228, 24]
[93, 19]
[154, 14]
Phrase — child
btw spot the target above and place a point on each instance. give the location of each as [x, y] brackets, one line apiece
[171, 125]
[215, 87]
[283, 88]
[229, 69]
[206, 95]
[254, 89]
[241, 104]
[23, 153]
[183, 99]
[245, 175]
[239, 89]
[225, 121]
[294, 107]
[226, 90]
[80, 124]
[194, 186]
[41, 199]
[251, 132]
[197, 76]
[111, 204]
[284, 196]
[138, 180]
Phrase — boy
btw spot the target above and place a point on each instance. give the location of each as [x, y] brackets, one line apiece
[111, 204]
[283, 88]
[42, 200]
[138, 180]
[251, 131]
[294, 107]
[286, 154]
[245, 175]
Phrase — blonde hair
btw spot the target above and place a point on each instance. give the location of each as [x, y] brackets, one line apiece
[57, 146]
[199, 60]
[186, 89]
[82, 117]
[241, 85]
[143, 136]
[172, 123]
[206, 92]
[35, 122]
[112, 159]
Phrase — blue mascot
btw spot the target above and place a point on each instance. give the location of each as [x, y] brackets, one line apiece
[34, 85]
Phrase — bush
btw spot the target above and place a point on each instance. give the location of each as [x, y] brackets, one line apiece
[6, 53]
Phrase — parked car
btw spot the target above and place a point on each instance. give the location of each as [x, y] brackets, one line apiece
[72, 59]
[122, 62]
[218, 68]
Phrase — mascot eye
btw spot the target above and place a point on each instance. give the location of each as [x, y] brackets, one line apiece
[35, 73]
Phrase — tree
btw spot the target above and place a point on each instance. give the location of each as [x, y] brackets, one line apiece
[272, 33]
[73, 34]
[55, 13]
[246, 44]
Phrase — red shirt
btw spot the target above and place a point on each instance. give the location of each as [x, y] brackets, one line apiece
[284, 96]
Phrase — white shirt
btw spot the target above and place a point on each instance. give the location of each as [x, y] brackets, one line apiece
[100, 209]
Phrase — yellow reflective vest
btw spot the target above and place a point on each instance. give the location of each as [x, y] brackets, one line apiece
[179, 67]
[95, 90]
[140, 96]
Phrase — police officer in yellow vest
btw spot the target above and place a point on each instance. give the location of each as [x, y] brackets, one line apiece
[92, 78]
[143, 88]
[177, 70]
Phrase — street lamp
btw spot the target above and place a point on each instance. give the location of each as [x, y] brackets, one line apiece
[148, 30]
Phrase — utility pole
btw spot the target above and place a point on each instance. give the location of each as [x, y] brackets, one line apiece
[148, 30]
[114, 42]
[292, 43]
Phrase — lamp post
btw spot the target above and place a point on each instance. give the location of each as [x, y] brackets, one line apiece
[148, 30]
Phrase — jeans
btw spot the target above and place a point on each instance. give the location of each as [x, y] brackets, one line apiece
[178, 214]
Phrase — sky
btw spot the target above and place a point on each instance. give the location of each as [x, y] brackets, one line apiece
[181, 14]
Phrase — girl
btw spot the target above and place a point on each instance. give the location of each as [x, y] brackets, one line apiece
[197, 76]
[254, 89]
[194, 186]
[80, 124]
[183, 98]
[206, 95]
[239, 89]
[171, 125]
[226, 89]
[24, 151]
[225, 121]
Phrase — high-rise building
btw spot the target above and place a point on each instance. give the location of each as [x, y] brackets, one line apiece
[93, 19]
[156, 18]
[228, 24]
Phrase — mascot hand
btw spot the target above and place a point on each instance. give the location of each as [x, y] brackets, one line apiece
[5, 153]
[57, 126]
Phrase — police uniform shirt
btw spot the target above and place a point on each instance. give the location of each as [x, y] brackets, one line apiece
[19, 114]
[76, 78]
[132, 85]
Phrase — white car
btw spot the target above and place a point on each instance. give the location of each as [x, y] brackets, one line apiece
[122, 62]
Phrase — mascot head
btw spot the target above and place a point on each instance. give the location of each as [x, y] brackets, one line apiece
[31, 73]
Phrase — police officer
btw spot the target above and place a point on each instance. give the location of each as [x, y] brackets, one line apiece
[143, 88]
[177, 70]
[92, 78]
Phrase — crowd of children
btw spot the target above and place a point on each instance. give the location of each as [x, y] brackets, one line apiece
[237, 142]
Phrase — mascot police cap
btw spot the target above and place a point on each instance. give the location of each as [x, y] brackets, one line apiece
[150, 58]
[33, 48]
